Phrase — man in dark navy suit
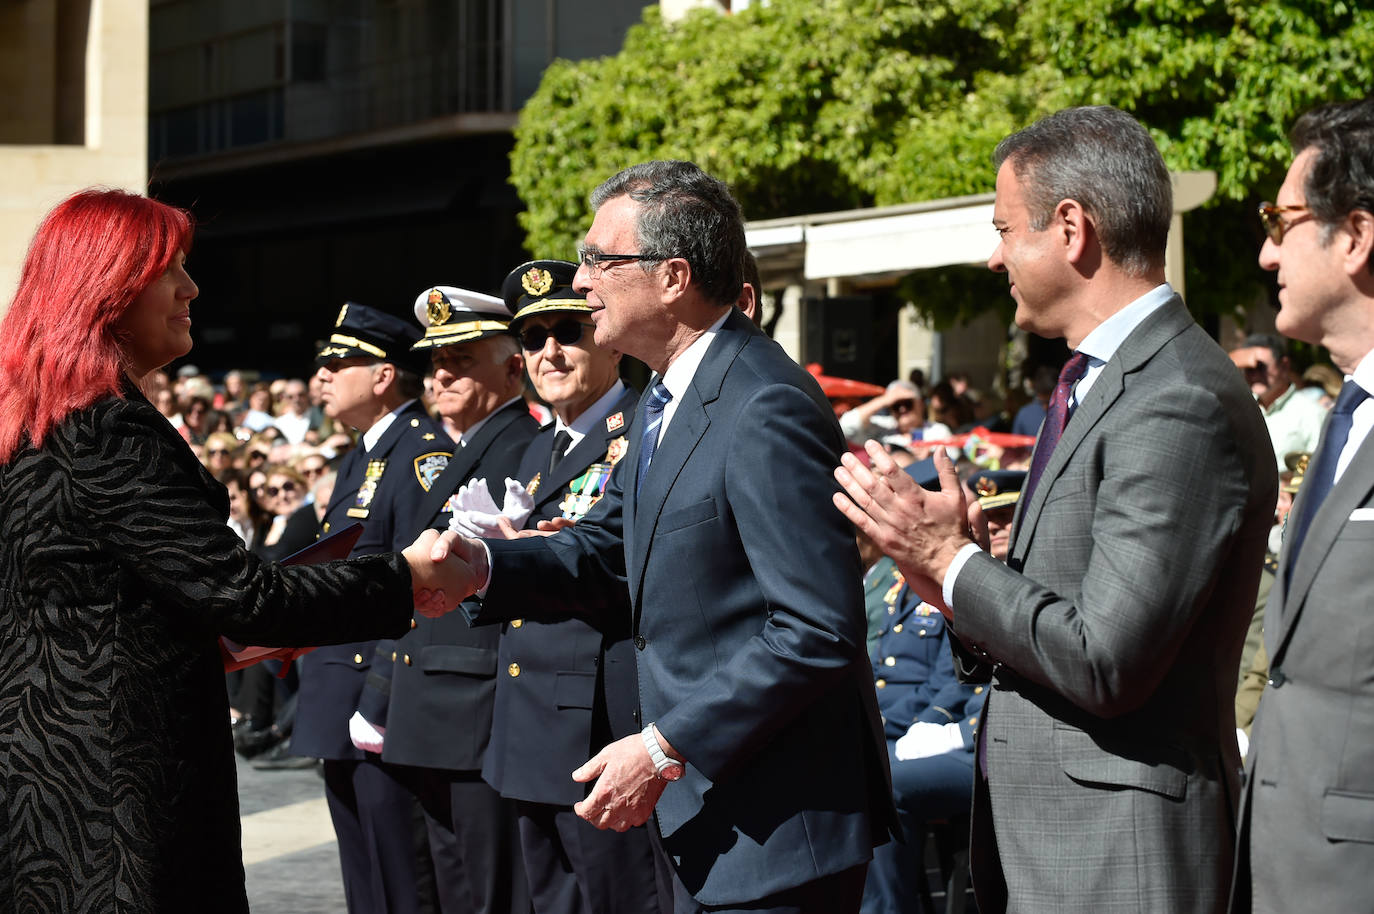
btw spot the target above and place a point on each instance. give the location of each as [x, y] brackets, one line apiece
[371, 382]
[433, 702]
[551, 715]
[761, 758]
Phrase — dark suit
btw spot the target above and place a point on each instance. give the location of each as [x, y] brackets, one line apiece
[1308, 833]
[550, 714]
[1116, 627]
[384, 488]
[117, 573]
[748, 622]
[438, 717]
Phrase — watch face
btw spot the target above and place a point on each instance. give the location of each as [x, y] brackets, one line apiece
[670, 772]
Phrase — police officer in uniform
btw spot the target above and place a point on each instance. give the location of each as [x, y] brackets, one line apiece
[930, 718]
[431, 704]
[550, 709]
[371, 382]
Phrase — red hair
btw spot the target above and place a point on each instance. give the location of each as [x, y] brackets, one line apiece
[90, 258]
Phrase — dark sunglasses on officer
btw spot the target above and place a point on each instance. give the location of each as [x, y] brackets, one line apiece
[567, 332]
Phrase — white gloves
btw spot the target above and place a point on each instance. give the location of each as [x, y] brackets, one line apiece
[924, 740]
[365, 736]
[475, 514]
[1243, 741]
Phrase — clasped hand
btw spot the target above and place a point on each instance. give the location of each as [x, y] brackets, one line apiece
[444, 570]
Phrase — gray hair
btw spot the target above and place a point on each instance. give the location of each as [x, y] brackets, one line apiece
[684, 212]
[1104, 159]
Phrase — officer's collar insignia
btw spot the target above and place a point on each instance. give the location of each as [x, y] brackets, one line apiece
[615, 422]
[343, 312]
[536, 281]
[437, 308]
[986, 487]
[428, 436]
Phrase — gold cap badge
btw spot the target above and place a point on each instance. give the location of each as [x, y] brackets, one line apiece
[437, 308]
[536, 281]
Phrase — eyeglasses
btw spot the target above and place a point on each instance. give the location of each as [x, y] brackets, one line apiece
[566, 332]
[273, 491]
[594, 260]
[218, 452]
[257, 455]
[902, 406]
[312, 471]
[1271, 217]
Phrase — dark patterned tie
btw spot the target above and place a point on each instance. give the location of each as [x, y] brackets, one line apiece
[560, 447]
[653, 417]
[1321, 476]
[1055, 419]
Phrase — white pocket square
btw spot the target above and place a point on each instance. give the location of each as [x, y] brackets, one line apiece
[1362, 514]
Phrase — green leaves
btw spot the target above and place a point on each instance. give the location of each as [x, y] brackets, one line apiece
[812, 105]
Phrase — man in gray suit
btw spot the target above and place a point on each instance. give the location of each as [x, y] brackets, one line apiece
[1108, 772]
[1309, 810]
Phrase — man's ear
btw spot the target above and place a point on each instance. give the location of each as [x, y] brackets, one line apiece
[515, 368]
[383, 377]
[1359, 246]
[1075, 229]
[677, 276]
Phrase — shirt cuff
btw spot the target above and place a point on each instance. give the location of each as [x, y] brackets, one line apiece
[482, 591]
[960, 558]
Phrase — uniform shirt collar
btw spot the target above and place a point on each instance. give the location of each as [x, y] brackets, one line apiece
[583, 424]
[378, 429]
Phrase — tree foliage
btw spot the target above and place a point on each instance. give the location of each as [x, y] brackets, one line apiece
[806, 106]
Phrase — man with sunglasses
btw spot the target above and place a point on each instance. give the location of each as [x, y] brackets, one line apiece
[759, 759]
[429, 703]
[552, 676]
[1308, 822]
[1107, 769]
[371, 382]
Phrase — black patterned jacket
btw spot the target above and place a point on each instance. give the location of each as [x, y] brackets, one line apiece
[117, 574]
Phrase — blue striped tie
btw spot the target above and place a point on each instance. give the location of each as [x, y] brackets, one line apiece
[1321, 475]
[653, 417]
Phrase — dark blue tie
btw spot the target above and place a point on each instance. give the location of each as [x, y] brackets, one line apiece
[653, 418]
[1321, 476]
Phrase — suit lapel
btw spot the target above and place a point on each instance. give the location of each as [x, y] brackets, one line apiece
[592, 448]
[1167, 322]
[1354, 489]
[684, 433]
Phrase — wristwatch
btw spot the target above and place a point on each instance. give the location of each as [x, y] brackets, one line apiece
[669, 769]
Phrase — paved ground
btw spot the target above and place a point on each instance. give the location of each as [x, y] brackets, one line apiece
[288, 844]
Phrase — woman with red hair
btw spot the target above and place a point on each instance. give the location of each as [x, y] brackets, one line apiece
[118, 574]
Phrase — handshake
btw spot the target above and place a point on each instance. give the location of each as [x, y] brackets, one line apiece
[445, 569]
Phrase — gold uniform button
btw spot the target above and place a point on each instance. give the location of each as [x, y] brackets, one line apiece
[921, 633]
[516, 623]
[889, 661]
[406, 658]
[357, 658]
[393, 656]
[414, 423]
[513, 669]
[897, 628]
[973, 721]
[977, 690]
[414, 624]
[881, 684]
[326, 526]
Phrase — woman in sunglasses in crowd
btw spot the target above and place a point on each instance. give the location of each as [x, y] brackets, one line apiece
[118, 574]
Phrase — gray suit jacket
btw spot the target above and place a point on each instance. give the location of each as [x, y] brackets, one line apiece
[1115, 630]
[1310, 795]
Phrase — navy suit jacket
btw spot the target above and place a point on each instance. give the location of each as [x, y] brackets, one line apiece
[748, 620]
[332, 677]
[550, 714]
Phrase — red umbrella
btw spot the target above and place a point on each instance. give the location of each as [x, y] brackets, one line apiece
[843, 387]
